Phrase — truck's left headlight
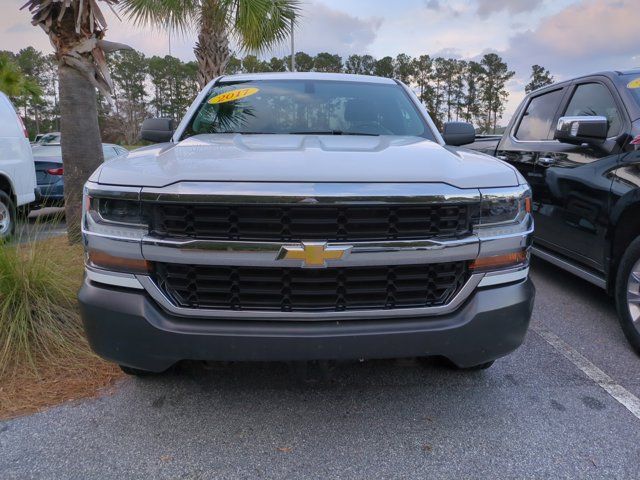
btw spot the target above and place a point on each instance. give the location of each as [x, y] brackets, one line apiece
[504, 206]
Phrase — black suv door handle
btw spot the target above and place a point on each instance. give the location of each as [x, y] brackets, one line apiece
[546, 161]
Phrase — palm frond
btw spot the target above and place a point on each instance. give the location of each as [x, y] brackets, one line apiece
[47, 13]
[14, 83]
[177, 15]
[258, 25]
[32, 89]
[76, 29]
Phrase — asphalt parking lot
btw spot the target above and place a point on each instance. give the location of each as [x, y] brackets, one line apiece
[535, 414]
[42, 224]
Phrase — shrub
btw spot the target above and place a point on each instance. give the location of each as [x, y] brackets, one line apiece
[44, 357]
[39, 319]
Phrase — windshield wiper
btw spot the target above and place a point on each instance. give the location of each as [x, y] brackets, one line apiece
[249, 133]
[334, 132]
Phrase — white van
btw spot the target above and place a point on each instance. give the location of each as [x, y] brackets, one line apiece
[17, 170]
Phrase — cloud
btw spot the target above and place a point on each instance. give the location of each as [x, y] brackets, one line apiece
[18, 28]
[600, 35]
[432, 4]
[447, 53]
[489, 7]
[450, 9]
[324, 29]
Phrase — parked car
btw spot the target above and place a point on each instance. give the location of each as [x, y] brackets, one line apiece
[303, 216]
[50, 173]
[576, 144]
[17, 173]
[46, 138]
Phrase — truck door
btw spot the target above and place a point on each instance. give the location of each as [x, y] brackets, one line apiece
[529, 133]
[574, 182]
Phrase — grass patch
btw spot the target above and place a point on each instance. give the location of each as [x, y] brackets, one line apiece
[44, 355]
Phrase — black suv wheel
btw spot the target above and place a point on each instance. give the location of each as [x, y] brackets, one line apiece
[7, 216]
[136, 372]
[628, 294]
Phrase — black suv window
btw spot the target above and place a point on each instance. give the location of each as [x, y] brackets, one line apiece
[537, 119]
[595, 99]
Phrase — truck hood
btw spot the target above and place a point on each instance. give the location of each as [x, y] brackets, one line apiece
[306, 158]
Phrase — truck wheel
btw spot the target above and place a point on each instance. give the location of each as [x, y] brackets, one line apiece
[23, 213]
[482, 366]
[136, 372]
[628, 294]
[7, 217]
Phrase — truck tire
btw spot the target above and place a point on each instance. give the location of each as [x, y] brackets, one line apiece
[7, 217]
[475, 368]
[136, 372]
[627, 293]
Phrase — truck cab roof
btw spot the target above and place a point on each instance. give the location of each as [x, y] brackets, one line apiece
[613, 75]
[338, 77]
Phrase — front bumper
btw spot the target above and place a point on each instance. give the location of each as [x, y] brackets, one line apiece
[128, 327]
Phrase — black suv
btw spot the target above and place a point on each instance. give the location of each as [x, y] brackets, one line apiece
[576, 142]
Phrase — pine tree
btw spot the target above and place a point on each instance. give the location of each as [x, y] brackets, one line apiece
[494, 95]
[540, 77]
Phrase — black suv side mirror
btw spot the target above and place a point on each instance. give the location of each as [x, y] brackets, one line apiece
[157, 130]
[458, 133]
[582, 129]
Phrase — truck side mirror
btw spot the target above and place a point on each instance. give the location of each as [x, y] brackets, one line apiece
[157, 130]
[458, 133]
[582, 129]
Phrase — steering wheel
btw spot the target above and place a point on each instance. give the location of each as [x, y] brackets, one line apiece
[371, 127]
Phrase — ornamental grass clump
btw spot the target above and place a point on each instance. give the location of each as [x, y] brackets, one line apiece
[39, 321]
[45, 359]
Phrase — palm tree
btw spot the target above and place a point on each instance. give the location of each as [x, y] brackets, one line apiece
[76, 30]
[13, 82]
[254, 25]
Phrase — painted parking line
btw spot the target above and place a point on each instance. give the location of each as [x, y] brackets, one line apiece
[608, 384]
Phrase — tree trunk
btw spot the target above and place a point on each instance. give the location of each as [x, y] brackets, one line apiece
[80, 139]
[212, 49]
[37, 114]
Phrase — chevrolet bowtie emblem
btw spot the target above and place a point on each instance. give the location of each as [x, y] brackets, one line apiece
[313, 254]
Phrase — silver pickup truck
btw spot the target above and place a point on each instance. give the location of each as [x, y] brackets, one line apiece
[305, 216]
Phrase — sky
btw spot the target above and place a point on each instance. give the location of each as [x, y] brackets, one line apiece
[569, 37]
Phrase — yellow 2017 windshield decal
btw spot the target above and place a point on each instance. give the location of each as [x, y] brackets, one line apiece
[634, 83]
[233, 95]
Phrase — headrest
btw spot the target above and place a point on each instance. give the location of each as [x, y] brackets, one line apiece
[359, 111]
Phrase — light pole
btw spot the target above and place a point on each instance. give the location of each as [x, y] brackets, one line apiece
[293, 52]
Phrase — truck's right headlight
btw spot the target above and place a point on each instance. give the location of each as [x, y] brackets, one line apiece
[114, 224]
[127, 212]
[113, 214]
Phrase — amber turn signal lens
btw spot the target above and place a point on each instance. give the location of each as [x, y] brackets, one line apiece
[118, 264]
[499, 261]
[527, 204]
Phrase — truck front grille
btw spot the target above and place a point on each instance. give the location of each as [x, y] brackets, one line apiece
[255, 222]
[306, 289]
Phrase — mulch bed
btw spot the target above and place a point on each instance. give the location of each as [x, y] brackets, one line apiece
[26, 392]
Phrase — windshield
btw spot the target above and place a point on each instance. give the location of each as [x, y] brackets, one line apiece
[49, 138]
[308, 106]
